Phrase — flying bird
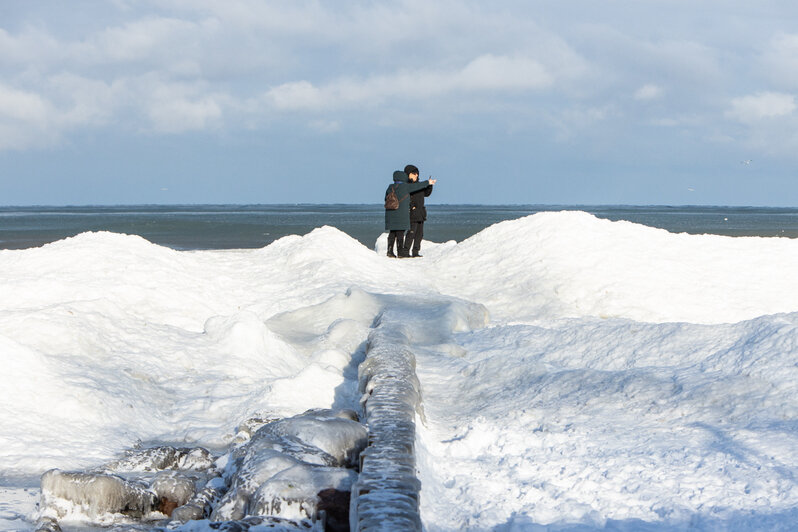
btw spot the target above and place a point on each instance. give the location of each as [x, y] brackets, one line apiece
[746, 162]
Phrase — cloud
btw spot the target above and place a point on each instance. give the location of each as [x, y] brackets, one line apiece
[22, 106]
[568, 123]
[177, 66]
[781, 60]
[300, 95]
[761, 106]
[648, 92]
[80, 101]
[486, 73]
[770, 123]
[179, 107]
[180, 65]
[30, 119]
[489, 72]
[23, 119]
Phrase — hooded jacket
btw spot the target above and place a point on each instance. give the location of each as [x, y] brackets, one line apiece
[399, 219]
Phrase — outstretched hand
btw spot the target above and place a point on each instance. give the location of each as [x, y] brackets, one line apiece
[432, 181]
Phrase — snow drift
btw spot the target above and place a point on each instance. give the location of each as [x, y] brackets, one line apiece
[627, 375]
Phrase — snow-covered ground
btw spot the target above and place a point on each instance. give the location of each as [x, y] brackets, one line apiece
[624, 377]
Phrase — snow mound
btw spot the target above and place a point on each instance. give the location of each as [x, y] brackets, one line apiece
[573, 264]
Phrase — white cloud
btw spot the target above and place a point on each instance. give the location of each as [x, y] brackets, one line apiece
[83, 101]
[30, 47]
[181, 115]
[299, 95]
[179, 107]
[190, 65]
[761, 106]
[781, 60]
[648, 92]
[181, 65]
[487, 73]
[154, 39]
[490, 72]
[568, 123]
[24, 119]
[22, 106]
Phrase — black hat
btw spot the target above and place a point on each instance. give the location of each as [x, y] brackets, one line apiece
[411, 169]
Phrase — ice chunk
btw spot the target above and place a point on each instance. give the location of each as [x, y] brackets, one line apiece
[288, 462]
[201, 503]
[339, 437]
[249, 426]
[173, 489]
[94, 495]
[164, 457]
[258, 466]
[293, 493]
[47, 524]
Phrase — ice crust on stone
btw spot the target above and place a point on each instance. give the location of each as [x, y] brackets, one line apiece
[286, 463]
[289, 468]
[147, 484]
[164, 457]
[98, 496]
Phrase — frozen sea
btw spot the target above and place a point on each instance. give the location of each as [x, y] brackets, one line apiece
[582, 368]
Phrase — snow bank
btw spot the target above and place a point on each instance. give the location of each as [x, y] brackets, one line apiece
[617, 357]
[613, 423]
[572, 264]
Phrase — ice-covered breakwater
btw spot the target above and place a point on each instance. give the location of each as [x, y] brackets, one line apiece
[386, 495]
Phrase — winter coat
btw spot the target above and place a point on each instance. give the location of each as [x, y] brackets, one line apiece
[418, 212]
[399, 219]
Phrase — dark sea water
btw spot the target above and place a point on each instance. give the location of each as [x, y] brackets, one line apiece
[252, 226]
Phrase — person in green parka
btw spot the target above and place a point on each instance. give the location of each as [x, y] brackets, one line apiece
[397, 221]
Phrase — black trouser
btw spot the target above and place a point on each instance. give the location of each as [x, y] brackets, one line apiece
[399, 237]
[413, 237]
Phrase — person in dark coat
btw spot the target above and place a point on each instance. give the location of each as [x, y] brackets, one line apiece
[418, 214]
[397, 221]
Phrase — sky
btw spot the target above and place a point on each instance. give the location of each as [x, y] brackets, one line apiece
[667, 102]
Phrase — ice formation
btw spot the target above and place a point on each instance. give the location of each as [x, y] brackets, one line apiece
[164, 457]
[298, 469]
[96, 495]
[288, 462]
[386, 494]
